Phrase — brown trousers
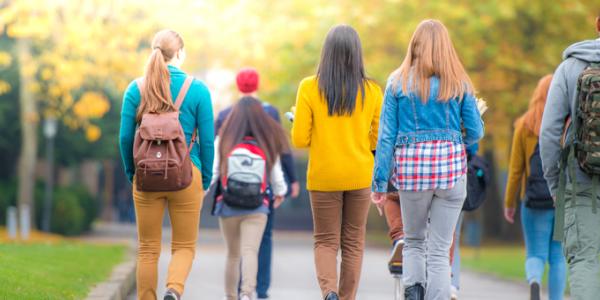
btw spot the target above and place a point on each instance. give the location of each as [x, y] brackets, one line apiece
[184, 211]
[339, 220]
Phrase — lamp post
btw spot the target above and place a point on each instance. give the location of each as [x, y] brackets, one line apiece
[50, 128]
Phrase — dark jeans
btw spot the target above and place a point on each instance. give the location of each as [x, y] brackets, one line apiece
[265, 253]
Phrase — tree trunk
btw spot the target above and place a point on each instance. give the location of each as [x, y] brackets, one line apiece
[29, 128]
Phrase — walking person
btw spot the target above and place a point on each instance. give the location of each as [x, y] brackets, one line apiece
[248, 148]
[571, 167]
[537, 207]
[337, 119]
[427, 100]
[247, 81]
[163, 114]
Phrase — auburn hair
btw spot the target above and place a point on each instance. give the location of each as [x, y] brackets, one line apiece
[532, 118]
[431, 53]
[249, 119]
[156, 90]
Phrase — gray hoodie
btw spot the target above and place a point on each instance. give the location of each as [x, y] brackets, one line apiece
[561, 104]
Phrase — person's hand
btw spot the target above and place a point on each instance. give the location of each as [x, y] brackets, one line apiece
[278, 201]
[295, 189]
[509, 214]
[379, 200]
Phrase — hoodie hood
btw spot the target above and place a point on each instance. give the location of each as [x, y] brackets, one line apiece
[588, 51]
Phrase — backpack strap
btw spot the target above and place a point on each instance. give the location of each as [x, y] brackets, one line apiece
[139, 82]
[179, 101]
[183, 91]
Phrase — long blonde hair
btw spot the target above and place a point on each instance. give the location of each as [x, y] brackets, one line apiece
[156, 91]
[532, 118]
[431, 53]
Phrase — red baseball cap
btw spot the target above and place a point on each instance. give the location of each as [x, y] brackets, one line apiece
[247, 80]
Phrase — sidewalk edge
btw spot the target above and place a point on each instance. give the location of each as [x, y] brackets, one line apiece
[120, 283]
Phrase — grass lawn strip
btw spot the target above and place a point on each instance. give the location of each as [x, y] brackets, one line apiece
[64, 270]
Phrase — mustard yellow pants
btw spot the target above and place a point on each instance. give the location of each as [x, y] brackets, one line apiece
[184, 212]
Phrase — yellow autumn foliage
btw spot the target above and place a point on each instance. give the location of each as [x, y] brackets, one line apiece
[93, 133]
[4, 87]
[5, 59]
[91, 105]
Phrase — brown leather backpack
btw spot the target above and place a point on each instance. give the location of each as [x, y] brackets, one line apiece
[160, 154]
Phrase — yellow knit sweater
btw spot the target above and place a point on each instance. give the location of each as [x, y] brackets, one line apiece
[340, 147]
[523, 145]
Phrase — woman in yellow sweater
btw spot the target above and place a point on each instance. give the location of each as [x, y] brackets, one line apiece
[337, 119]
[537, 212]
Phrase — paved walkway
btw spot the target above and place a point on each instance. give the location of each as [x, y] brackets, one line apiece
[294, 276]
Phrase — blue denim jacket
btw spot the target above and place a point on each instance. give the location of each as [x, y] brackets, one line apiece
[405, 119]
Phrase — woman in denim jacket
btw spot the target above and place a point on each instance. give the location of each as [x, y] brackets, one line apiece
[428, 101]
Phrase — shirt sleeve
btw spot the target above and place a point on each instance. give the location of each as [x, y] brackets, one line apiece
[553, 125]
[378, 97]
[303, 120]
[131, 100]
[215, 170]
[278, 184]
[206, 135]
[388, 129]
[516, 168]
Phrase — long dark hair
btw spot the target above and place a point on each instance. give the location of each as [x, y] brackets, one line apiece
[248, 118]
[341, 71]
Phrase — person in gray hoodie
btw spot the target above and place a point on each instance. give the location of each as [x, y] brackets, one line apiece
[582, 227]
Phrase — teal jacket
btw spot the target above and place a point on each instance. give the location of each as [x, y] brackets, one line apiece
[196, 112]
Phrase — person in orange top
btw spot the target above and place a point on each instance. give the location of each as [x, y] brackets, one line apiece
[537, 209]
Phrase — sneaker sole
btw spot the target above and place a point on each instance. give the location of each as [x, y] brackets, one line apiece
[395, 263]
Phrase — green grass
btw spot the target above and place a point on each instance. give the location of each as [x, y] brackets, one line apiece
[506, 262]
[63, 270]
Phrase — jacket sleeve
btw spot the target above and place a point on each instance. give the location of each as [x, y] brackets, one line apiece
[206, 135]
[388, 129]
[303, 120]
[378, 97]
[278, 184]
[289, 169]
[472, 121]
[516, 168]
[131, 100]
[553, 125]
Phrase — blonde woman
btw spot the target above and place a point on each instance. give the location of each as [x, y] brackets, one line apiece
[426, 101]
[157, 92]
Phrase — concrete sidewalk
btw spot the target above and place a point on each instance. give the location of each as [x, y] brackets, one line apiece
[294, 275]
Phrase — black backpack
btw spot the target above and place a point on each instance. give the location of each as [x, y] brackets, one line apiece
[537, 193]
[478, 178]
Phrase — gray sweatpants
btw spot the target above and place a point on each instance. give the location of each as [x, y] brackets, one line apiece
[426, 249]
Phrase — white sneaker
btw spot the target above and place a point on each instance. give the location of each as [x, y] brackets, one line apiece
[453, 293]
[246, 297]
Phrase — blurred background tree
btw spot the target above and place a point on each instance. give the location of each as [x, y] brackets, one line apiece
[72, 59]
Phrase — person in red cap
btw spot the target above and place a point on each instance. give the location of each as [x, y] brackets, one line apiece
[248, 81]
